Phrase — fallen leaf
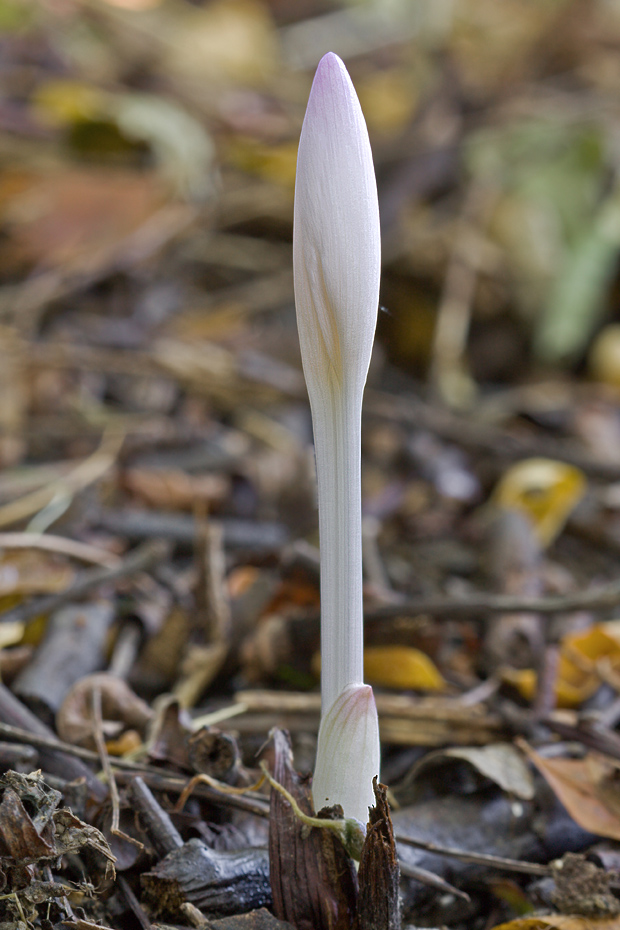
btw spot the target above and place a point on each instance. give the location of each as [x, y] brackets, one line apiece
[583, 786]
[11, 633]
[604, 357]
[502, 763]
[175, 489]
[578, 677]
[78, 220]
[545, 491]
[559, 922]
[33, 571]
[401, 667]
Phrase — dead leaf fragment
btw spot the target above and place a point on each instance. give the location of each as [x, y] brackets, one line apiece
[79, 220]
[121, 708]
[401, 667]
[544, 491]
[502, 763]
[559, 922]
[586, 787]
[578, 676]
[175, 489]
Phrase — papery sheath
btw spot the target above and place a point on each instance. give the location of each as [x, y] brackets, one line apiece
[348, 754]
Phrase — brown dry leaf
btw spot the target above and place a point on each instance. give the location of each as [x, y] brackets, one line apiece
[33, 572]
[19, 838]
[585, 787]
[313, 879]
[175, 490]
[121, 709]
[78, 220]
[401, 667]
[559, 922]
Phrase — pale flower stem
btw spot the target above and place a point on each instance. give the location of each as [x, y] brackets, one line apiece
[337, 447]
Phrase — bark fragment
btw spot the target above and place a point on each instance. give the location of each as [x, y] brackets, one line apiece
[313, 879]
[379, 874]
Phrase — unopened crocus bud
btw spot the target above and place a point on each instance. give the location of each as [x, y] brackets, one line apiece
[337, 261]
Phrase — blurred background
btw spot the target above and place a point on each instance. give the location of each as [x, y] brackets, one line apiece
[147, 162]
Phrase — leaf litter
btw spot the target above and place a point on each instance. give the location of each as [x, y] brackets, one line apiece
[159, 590]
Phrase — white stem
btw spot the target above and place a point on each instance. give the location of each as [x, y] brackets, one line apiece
[337, 437]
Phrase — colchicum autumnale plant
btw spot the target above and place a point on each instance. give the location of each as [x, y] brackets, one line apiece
[337, 261]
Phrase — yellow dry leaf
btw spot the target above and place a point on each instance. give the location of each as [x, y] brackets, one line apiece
[34, 631]
[128, 742]
[559, 922]
[11, 634]
[401, 667]
[577, 677]
[604, 357]
[544, 491]
[276, 162]
[388, 99]
[525, 681]
[64, 101]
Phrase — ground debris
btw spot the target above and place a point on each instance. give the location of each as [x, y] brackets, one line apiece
[313, 879]
[378, 907]
[219, 883]
[583, 888]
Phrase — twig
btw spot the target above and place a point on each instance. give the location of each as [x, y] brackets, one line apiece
[61, 545]
[19, 735]
[134, 904]
[432, 880]
[448, 371]
[107, 769]
[159, 781]
[482, 436]
[138, 560]
[261, 536]
[602, 597]
[19, 724]
[596, 737]
[497, 862]
[157, 823]
[87, 472]
[156, 778]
